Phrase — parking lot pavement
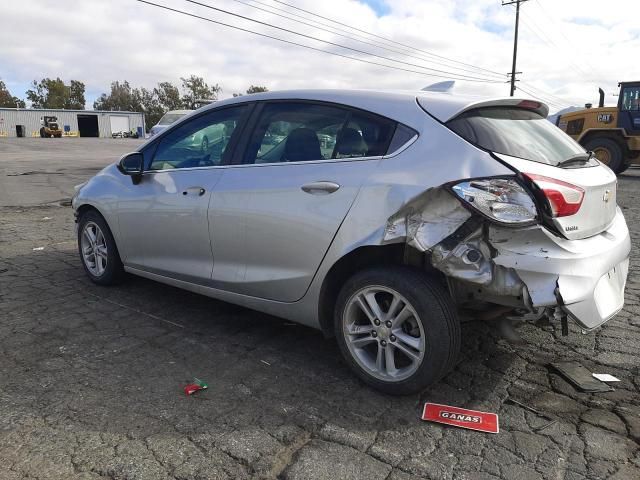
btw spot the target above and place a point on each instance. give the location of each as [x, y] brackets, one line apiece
[36, 171]
[91, 383]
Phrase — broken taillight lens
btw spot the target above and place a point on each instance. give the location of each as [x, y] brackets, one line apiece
[563, 198]
[501, 199]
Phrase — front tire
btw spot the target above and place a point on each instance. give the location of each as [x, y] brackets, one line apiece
[98, 251]
[397, 329]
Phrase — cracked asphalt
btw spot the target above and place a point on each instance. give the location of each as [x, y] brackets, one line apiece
[91, 377]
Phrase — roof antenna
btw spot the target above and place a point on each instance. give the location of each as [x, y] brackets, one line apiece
[446, 87]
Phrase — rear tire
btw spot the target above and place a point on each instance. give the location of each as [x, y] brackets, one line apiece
[413, 345]
[98, 250]
[609, 152]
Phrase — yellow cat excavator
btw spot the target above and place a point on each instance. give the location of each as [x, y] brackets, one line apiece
[611, 133]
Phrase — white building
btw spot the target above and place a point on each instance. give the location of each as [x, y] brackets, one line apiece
[88, 123]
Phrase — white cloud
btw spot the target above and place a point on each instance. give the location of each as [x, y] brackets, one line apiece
[567, 49]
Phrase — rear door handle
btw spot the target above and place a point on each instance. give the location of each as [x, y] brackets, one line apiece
[194, 191]
[320, 188]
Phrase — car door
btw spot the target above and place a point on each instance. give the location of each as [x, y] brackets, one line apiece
[163, 219]
[274, 216]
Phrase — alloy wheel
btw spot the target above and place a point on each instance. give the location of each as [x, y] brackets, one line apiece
[94, 249]
[383, 333]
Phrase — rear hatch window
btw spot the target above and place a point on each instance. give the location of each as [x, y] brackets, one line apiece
[517, 132]
[535, 147]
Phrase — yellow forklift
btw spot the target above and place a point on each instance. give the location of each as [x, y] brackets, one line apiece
[50, 128]
[611, 133]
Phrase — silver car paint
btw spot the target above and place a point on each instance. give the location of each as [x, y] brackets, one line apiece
[164, 226]
[548, 271]
[275, 234]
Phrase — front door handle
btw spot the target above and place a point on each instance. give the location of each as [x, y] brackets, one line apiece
[320, 188]
[194, 191]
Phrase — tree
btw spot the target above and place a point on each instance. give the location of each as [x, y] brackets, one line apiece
[252, 89]
[50, 93]
[121, 97]
[256, 89]
[168, 96]
[76, 98]
[155, 103]
[7, 100]
[151, 106]
[195, 88]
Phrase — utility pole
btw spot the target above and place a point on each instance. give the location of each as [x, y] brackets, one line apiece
[515, 43]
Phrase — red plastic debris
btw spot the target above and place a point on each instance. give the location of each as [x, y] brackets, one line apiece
[194, 387]
[461, 417]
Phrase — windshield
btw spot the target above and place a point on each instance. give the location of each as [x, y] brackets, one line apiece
[170, 118]
[517, 132]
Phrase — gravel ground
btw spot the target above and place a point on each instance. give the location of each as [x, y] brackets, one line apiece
[91, 378]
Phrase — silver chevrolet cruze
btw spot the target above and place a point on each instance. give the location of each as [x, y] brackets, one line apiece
[372, 216]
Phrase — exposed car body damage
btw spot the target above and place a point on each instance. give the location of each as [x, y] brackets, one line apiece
[528, 267]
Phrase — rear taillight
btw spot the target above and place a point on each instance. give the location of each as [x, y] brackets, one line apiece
[563, 198]
[501, 199]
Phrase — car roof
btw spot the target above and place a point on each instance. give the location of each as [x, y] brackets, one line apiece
[441, 105]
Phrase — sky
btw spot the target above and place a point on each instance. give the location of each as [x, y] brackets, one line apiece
[566, 50]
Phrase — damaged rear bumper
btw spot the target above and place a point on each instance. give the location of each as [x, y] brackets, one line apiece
[586, 278]
[528, 267]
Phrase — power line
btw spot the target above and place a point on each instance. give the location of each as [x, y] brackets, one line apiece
[559, 30]
[550, 95]
[246, 30]
[387, 39]
[545, 100]
[353, 38]
[311, 37]
[539, 32]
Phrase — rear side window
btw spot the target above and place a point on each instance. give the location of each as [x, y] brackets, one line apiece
[364, 136]
[517, 132]
[304, 131]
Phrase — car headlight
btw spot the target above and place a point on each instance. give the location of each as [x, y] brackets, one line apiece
[501, 199]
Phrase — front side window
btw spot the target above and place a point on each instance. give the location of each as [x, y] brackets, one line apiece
[631, 98]
[201, 142]
[298, 132]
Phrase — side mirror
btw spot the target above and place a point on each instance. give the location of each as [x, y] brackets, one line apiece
[132, 164]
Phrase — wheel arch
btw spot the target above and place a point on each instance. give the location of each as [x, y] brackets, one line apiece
[366, 256]
[87, 207]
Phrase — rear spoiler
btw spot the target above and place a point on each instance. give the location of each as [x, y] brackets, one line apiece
[449, 107]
